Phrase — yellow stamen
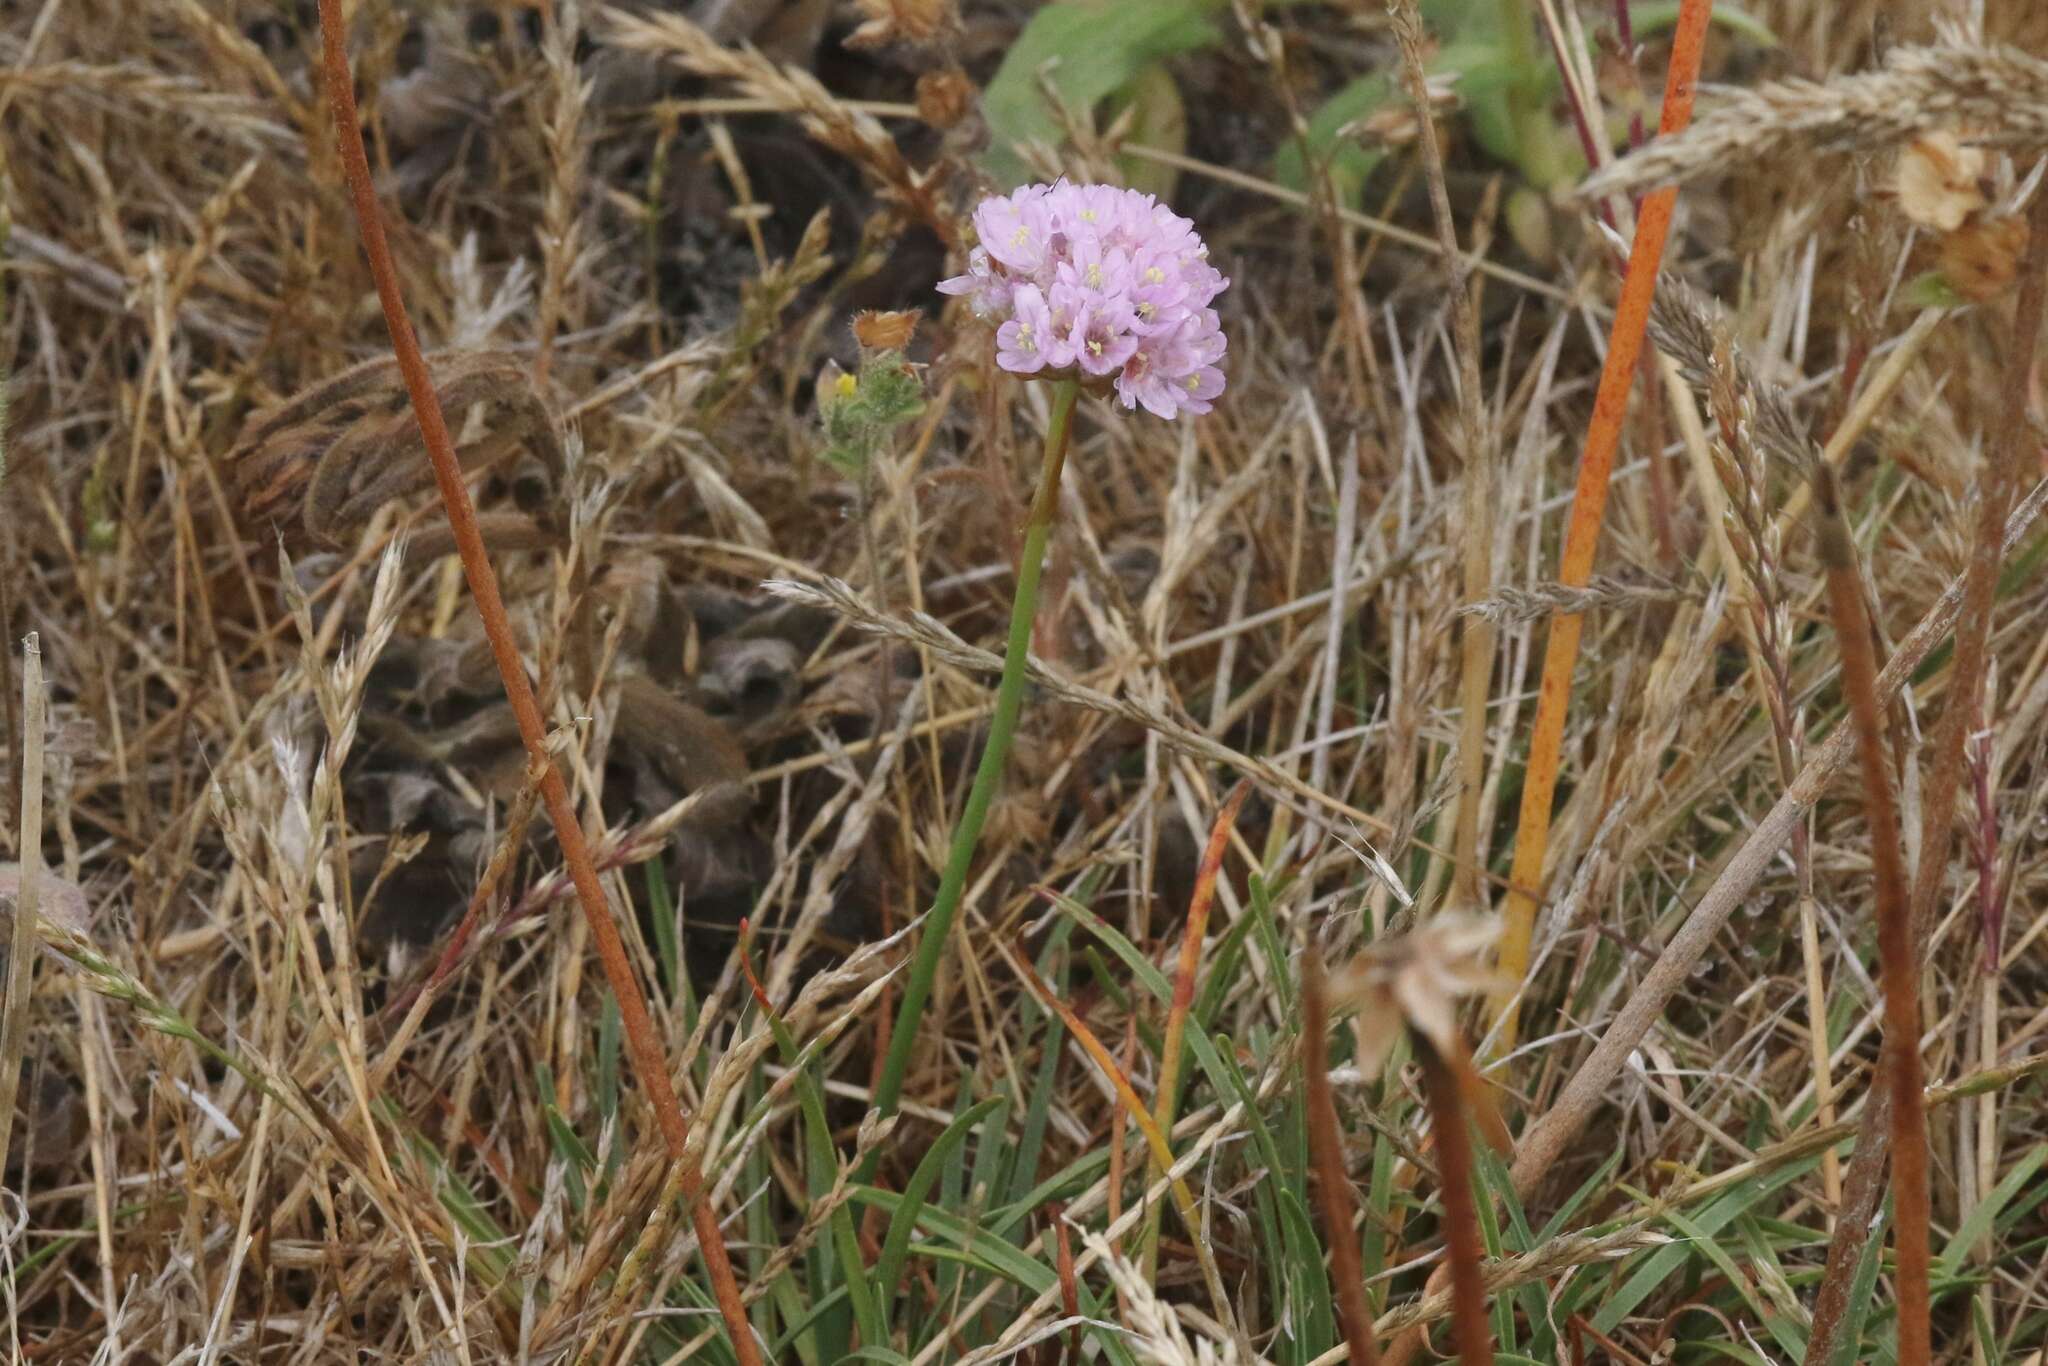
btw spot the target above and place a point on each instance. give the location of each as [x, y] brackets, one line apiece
[846, 384]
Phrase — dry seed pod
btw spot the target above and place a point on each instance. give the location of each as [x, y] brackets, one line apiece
[1413, 981]
[322, 462]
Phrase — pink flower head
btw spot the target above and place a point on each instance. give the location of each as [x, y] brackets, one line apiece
[1100, 281]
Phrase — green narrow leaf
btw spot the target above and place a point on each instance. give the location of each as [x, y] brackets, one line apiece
[896, 1243]
[1654, 1269]
[1949, 1265]
[1862, 1291]
[667, 943]
[1096, 47]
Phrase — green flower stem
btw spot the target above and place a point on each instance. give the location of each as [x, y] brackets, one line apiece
[931, 948]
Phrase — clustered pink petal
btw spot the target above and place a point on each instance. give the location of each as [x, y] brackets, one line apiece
[1099, 281]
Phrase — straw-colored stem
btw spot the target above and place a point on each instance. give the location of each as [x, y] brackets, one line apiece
[1582, 533]
[1476, 633]
[22, 951]
[643, 1044]
[1897, 960]
[1002, 728]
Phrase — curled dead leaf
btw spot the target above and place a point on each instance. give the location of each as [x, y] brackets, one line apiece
[320, 463]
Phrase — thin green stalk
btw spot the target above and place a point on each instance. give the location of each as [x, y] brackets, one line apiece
[938, 926]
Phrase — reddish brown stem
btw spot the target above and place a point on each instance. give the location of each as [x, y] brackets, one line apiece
[2013, 453]
[1894, 930]
[1447, 1119]
[1333, 1183]
[649, 1064]
[1070, 1287]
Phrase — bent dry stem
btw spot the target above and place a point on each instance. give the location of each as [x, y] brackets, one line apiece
[988, 776]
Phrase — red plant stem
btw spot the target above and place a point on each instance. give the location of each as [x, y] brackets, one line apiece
[1589, 505]
[1333, 1183]
[1461, 1216]
[2015, 449]
[649, 1064]
[1070, 1287]
[1898, 961]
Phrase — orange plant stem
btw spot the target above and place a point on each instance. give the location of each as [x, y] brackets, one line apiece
[643, 1044]
[1582, 532]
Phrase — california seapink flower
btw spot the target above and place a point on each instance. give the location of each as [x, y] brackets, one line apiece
[1102, 284]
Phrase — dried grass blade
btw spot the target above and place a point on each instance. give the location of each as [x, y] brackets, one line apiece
[22, 951]
[1862, 1184]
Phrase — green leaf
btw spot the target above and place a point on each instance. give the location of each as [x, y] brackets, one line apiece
[1862, 1290]
[1097, 47]
[896, 1243]
[1655, 16]
[1159, 118]
[1659, 1266]
[1949, 1265]
[1347, 164]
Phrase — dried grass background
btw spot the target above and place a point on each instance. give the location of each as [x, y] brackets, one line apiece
[276, 777]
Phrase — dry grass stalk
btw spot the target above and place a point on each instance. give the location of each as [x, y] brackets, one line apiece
[1582, 534]
[648, 1061]
[1547, 1140]
[1408, 987]
[1333, 1177]
[856, 135]
[1999, 92]
[1754, 540]
[22, 946]
[1687, 328]
[1449, 1124]
[1476, 631]
[1902, 1068]
[1507, 605]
